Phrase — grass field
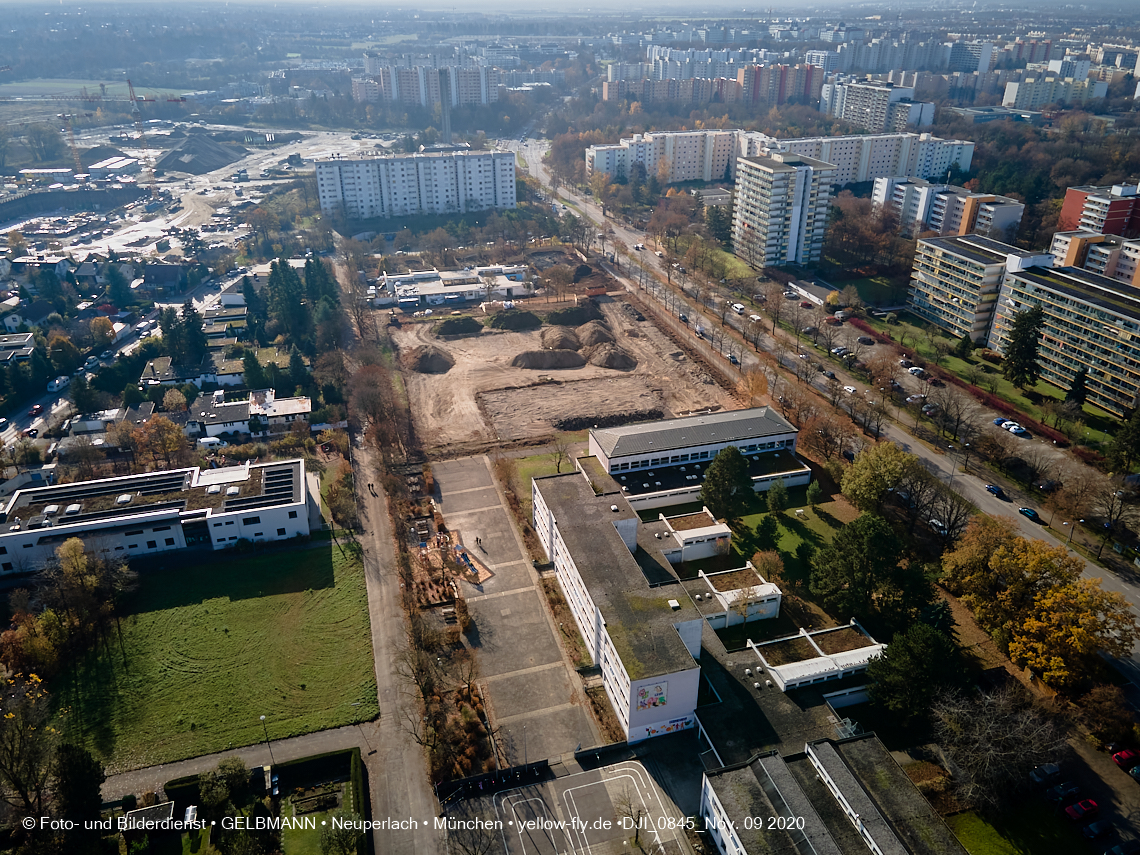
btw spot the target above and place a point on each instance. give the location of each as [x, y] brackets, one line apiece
[1029, 829]
[65, 86]
[1100, 425]
[204, 652]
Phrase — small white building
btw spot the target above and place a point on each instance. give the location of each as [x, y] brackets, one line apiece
[259, 415]
[428, 288]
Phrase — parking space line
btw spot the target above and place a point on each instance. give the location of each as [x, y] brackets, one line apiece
[533, 670]
[520, 716]
[498, 594]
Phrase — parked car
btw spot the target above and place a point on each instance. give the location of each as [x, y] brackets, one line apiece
[905, 363]
[1020, 431]
[1000, 420]
[810, 330]
[916, 370]
[3, 424]
[830, 375]
[938, 527]
[106, 354]
[1048, 486]
[838, 351]
[865, 339]
[683, 318]
[1062, 794]
[934, 381]
[914, 399]
[32, 433]
[1128, 847]
[1009, 424]
[850, 390]
[996, 490]
[1096, 829]
[1046, 773]
[804, 304]
[1031, 514]
[930, 409]
[732, 358]
[1082, 811]
[1127, 758]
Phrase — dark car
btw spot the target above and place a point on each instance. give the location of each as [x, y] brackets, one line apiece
[1127, 758]
[1045, 774]
[1128, 847]
[683, 318]
[1135, 773]
[830, 375]
[32, 433]
[810, 330]
[996, 490]
[865, 339]
[1062, 794]
[1048, 486]
[1001, 420]
[1082, 811]
[1096, 829]
[1029, 513]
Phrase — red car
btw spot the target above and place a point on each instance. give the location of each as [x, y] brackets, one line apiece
[36, 410]
[1082, 811]
[1126, 759]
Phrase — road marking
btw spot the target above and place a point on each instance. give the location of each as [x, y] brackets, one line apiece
[520, 716]
[533, 670]
[499, 594]
[444, 496]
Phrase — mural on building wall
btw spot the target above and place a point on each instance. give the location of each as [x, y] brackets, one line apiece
[673, 726]
[649, 697]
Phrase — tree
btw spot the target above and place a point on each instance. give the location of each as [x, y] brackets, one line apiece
[78, 778]
[84, 398]
[173, 401]
[874, 473]
[102, 331]
[1078, 388]
[630, 809]
[777, 497]
[767, 533]
[727, 484]
[814, 494]
[45, 142]
[917, 664]
[1067, 626]
[341, 834]
[964, 347]
[994, 740]
[1124, 447]
[858, 564]
[1021, 350]
[27, 743]
[252, 371]
[560, 449]
[160, 438]
[118, 288]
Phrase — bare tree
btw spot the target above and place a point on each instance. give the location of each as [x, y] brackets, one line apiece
[953, 511]
[993, 740]
[560, 449]
[630, 810]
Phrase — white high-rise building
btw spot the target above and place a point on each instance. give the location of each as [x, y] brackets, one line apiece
[781, 209]
[947, 209]
[430, 182]
[877, 107]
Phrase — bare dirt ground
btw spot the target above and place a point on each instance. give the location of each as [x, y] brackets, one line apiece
[484, 399]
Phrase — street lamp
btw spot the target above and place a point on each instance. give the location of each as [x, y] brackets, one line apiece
[1072, 528]
[268, 745]
[953, 466]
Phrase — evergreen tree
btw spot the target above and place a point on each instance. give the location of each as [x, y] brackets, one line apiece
[194, 343]
[1078, 389]
[964, 347]
[173, 338]
[298, 374]
[252, 372]
[814, 493]
[254, 304]
[777, 497]
[118, 288]
[1124, 447]
[286, 301]
[727, 484]
[1019, 364]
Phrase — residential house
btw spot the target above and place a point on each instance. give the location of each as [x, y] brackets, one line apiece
[258, 415]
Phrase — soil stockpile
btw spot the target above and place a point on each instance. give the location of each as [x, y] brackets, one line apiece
[515, 320]
[609, 355]
[573, 316]
[595, 333]
[427, 360]
[546, 360]
[199, 155]
[560, 338]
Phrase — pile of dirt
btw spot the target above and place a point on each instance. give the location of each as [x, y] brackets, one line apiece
[594, 333]
[546, 360]
[516, 320]
[199, 155]
[560, 338]
[608, 355]
[427, 360]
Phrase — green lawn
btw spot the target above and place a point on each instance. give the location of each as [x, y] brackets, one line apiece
[205, 651]
[1100, 425]
[1028, 829]
[304, 841]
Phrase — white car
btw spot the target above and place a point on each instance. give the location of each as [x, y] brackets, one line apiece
[1011, 427]
[916, 371]
[850, 390]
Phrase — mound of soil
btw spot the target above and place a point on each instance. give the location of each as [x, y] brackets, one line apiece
[595, 333]
[427, 360]
[516, 320]
[574, 316]
[198, 155]
[546, 360]
[608, 355]
[458, 326]
[560, 338]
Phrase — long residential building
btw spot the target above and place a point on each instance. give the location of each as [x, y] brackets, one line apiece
[1109, 255]
[1032, 93]
[947, 209]
[781, 206]
[132, 515]
[429, 182]
[423, 85]
[976, 285]
[877, 107]
[704, 155]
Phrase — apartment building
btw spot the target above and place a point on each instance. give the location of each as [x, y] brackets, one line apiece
[878, 107]
[191, 508]
[435, 182]
[955, 280]
[1033, 93]
[947, 209]
[678, 156]
[722, 90]
[781, 209]
[419, 85]
[1109, 255]
[1111, 210]
[776, 83]
[1091, 322]
[856, 157]
[827, 60]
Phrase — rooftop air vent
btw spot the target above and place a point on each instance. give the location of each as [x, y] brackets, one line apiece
[614, 508]
[124, 499]
[674, 605]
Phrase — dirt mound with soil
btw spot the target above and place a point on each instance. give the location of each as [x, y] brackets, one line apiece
[427, 360]
[609, 355]
[546, 360]
[594, 333]
[560, 338]
[198, 155]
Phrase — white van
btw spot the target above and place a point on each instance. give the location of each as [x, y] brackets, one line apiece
[738, 308]
[212, 442]
[58, 383]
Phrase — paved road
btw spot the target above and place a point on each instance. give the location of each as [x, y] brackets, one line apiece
[784, 346]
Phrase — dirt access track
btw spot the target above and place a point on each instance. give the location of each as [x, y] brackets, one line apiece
[483, 400]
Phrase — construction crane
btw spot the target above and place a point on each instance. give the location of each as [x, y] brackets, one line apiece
[148, 170]
[71, 139]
